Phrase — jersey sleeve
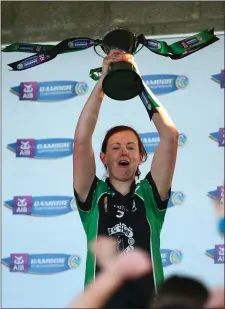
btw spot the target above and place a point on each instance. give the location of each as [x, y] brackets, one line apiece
[86, 206]
[162, 205]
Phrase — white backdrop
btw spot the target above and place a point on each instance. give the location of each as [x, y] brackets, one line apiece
[190, 226]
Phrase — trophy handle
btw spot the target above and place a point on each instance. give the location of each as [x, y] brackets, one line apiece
[96, 50]
[137, 51]
[139, 40]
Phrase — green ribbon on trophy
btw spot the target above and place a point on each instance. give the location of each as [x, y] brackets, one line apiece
[183, 47]
[26, 47]
[37, 48]
[45, 53]
[122, 82]
[174, 51]
[177, 50]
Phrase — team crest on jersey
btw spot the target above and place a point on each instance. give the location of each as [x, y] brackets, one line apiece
[124, 237]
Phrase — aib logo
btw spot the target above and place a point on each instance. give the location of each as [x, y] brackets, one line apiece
[170, 257]
[49, 91]
[217, 197]
[45, 264]
[217, 194]
[218, 137]
[165, 83]
[42, 148]
[42, 206]
[151, 140]
[219, 78]
[217, 254]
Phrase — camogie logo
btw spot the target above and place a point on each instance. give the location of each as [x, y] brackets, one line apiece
[176, 199]
[191, 41]
[32, 61]
[41, 264]
[81, 43]
[181, 82]
[154, 44]
[73, 261]
[165, 83]
[182, 139]
[52, 148]
[171, 257]
[42, 206]
[49, 91]
[81, 88]
[151, 140]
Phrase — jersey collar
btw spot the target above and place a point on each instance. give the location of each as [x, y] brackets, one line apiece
[111, 188]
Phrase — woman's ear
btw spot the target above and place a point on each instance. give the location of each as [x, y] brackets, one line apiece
[102, 158]
[141, 158]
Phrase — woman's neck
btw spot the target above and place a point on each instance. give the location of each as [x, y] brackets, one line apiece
[122, 187]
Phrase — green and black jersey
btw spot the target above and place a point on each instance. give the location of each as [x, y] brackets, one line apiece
[134, 220]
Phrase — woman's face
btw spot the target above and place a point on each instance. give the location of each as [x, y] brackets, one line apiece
[122, 155]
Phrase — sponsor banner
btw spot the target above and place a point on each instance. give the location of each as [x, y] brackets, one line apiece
[151, 140]
[51, 148]
[41, 264]
[217, 254]
[49, 91]
[219, 78]
[218, 137]
[170, 257]
[41, 205]
[165, 83]
[217, 194]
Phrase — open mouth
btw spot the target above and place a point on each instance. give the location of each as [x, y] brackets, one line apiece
[124, 163]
